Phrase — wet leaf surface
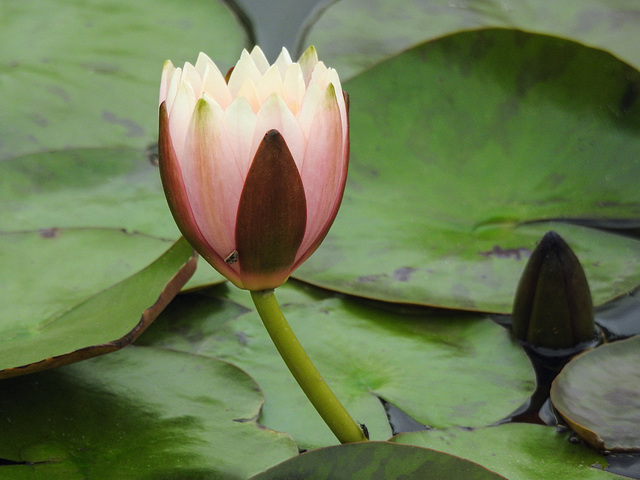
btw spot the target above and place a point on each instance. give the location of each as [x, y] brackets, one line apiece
[68, 300]
[376, 460]
[139, 413]
[500, 131]
[517, 451]
[458, 145]
[356, 34]
[442, 370]
[86, 74]
[598, 394]
[102, 187]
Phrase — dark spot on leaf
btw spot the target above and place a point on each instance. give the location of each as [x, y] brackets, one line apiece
[499, 252]
[616, 204]
[152, 154]
[39, 119]
[403, 274]
[102, 68]
[554, 179]
[6, 461]
[369, 278]
[242, 338]
[629, 97]
[133, 129]
[49, 232]
[245, 420]
[60, 93]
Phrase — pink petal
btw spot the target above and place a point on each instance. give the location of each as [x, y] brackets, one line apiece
[211, 177]
[323, 171]
[259, 59]
[240, 122]
[244, 70]
[191, 75]
[312, 97]
[214, 84]
[202, 62]
[283, 61]
[274, 114]
[308, 61]
[250, 93]
[179, 204]
[167, 73]
[271, 82]
[318, 75]
[172, 90]
[180, 116]
[293, 87]
[332, 77]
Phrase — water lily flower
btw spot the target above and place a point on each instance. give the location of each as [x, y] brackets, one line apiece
[254, 165]
[553, 307]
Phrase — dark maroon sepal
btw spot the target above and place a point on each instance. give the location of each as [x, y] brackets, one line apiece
[272, 213]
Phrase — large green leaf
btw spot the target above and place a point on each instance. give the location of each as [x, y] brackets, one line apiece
[517, 451]
[80, 86]
[117, 188]
[354, 34]
[139, 413]
[442, 370]
[598, 394]
[460, 146]
[68, 295]
[86, 73]
[377, 461]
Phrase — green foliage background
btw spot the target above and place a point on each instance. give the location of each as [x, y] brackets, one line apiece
[476, 126]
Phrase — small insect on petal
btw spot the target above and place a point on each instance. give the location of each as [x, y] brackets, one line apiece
[231, 258]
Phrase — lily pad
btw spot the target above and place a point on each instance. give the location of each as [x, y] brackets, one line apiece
[73, 294]
[107, 187]
[73, 65]
[517, 451]
[355, 34]
[463, 148]
[598, 394]
[102, 187]
[442, 370]
[139, 413]
[377, 460]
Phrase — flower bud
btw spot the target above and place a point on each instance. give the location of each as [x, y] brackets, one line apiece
[254, 165]
[553, 307]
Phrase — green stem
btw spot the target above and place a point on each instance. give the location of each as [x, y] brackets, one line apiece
[305, 373]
